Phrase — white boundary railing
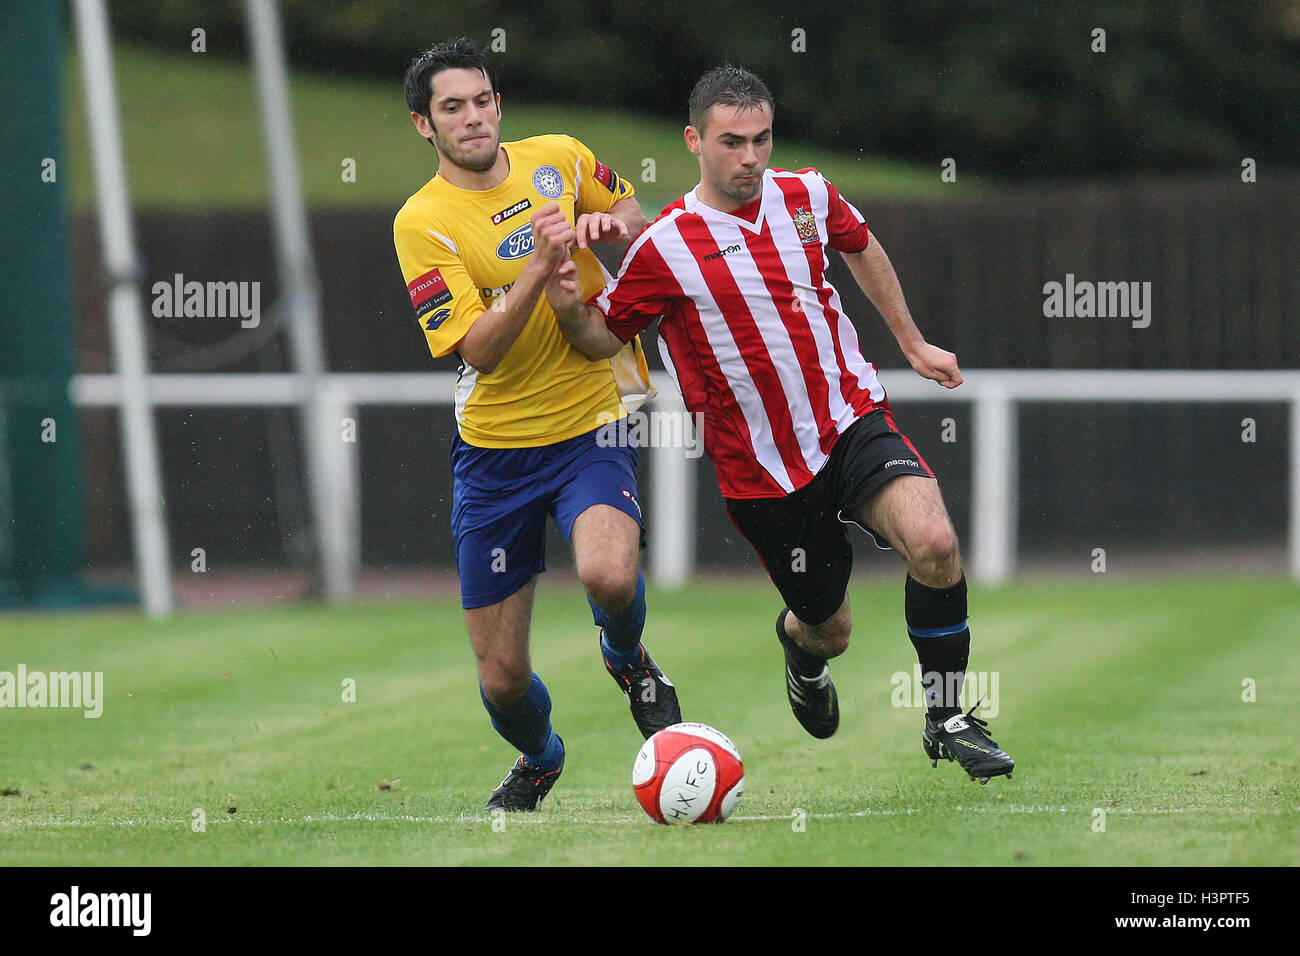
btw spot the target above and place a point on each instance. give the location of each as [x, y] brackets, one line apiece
[993, 393]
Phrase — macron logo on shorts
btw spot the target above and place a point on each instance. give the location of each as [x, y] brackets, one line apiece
[902, 461]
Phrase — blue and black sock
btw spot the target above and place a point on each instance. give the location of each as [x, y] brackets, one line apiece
[620, 634]
[936, 622]
[526, 726]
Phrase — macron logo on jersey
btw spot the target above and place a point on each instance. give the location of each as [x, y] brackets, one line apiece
[722, 252]
[428, 292]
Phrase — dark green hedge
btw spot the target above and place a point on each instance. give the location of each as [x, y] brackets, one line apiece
[1011, 86]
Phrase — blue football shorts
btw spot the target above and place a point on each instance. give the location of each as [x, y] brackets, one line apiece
[501, 498]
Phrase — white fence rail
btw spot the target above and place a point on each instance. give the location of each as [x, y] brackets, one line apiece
[994, 394]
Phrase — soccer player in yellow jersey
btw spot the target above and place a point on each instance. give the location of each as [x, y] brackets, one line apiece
[477, 246]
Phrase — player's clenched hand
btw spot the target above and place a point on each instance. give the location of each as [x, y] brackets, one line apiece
[563, 290]
[599, 227]
[552, 234]
[934, 363]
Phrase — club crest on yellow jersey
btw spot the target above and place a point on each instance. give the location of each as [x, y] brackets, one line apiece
[548, 181]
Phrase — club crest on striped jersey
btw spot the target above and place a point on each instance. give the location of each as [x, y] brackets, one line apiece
[805, 224]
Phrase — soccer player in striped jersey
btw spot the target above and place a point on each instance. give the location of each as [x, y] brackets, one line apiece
[477, 245]
[796, 423]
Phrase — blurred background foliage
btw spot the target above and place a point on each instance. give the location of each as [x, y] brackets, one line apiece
[1007, 86]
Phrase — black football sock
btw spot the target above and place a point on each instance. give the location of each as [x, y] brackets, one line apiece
[805, 664]
[936, 622]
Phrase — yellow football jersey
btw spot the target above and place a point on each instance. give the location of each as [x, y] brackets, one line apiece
[460, 249]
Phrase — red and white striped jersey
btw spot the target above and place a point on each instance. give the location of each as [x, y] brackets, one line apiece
[750, 328]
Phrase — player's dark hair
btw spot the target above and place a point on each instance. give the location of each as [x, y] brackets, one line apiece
[458, 54]
[727, 85]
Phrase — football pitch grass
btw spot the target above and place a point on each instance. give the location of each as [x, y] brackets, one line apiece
[1116, 697]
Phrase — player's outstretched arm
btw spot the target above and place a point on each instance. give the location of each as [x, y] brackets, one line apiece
[582, 324]
[629, 211]
[496, 330]
[876, 277]
[618, 226]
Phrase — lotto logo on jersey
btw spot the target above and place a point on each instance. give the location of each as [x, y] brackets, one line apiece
[428, 292]
[434, 321]
[606, 176]
[509, 211]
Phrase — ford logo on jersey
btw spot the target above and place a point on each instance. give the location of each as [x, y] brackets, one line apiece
[518, 244]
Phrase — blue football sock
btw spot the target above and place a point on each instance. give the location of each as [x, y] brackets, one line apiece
[526, 726]
[617, 659]
[620, 636]
[552, 757]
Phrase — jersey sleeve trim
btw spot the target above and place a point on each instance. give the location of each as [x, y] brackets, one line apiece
[846, 227]
[596, 187]
[443, 296]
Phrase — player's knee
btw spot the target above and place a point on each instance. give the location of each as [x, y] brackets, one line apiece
[831, 637]
[934, 552]
[610, 589]
[828, 644]
[504, 682]
[833, 645]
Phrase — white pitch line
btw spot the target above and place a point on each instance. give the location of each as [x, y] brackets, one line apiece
[543, 818]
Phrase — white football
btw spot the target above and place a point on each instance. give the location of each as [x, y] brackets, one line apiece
[688, 773]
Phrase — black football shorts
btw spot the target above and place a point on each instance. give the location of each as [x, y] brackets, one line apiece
[802, 538]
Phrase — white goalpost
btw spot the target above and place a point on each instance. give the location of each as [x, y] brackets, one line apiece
[125, 311]
[300, 304]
